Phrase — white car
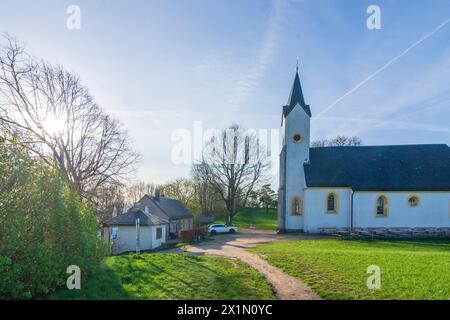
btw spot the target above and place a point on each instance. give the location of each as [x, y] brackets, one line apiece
[221, 228]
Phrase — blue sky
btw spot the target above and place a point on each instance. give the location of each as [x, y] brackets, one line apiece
[158, 66]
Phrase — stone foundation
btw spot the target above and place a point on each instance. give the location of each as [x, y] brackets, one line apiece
[388, 232]
[280, 231]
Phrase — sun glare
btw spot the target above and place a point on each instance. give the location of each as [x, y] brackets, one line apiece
[52, 125]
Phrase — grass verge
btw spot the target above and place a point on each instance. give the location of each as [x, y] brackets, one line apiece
[171, 276]
[337, 269]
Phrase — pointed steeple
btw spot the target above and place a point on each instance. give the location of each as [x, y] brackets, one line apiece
[296, 95]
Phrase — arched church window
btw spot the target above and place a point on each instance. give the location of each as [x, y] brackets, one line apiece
[332, 203]
[381, 206]
[296, 206]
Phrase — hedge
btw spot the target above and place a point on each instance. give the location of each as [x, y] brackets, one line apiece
[44, 227]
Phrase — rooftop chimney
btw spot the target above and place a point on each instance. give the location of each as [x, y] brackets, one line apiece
[136, 206]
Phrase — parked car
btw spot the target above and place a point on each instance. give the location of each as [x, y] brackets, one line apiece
[221, 228]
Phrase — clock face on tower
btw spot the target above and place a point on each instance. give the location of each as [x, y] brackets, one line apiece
[297, 137]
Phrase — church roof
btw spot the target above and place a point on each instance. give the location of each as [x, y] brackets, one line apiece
[296, 97]
[383, 168]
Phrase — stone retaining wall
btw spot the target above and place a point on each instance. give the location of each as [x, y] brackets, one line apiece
[388, 232]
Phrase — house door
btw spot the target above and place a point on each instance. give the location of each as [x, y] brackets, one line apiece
[172, 230]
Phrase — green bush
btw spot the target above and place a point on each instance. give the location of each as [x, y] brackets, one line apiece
[44, 227]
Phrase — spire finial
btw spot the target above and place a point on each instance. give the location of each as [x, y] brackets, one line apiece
[296, 68]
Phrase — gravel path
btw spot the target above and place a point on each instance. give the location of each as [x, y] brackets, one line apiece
[234, 246]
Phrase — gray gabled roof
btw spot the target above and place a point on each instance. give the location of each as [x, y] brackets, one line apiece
[288, 109]
[173, 208]
[129, 218]
[296, 97]
[165, 207]
[383, 168]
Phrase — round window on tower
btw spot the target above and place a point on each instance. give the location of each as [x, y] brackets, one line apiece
[297, 137]
[413, 201]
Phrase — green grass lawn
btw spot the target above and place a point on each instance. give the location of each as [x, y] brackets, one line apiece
[337, 269]
[255, 217]
[171, 276]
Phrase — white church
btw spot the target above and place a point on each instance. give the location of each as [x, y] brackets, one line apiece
[388, 187]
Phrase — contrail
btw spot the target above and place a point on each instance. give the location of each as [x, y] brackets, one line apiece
[423, 38]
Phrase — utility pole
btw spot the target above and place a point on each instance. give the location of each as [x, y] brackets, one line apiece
[138, 249]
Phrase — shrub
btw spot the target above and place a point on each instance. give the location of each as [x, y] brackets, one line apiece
[192, 234]
[44, 227]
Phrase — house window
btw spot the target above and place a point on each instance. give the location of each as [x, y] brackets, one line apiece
[381, 206]
[114, 233]
[413, 201]
[332, 203]
[158, 233]
[296, 206]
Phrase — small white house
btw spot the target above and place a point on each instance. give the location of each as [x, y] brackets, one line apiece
[386, 187]
[170, 210]
[122, 233]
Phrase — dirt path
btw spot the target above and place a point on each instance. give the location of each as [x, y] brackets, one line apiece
[234, 246]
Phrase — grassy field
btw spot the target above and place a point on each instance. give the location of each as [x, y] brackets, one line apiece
[337, 269]
[171, 276]
[255, 217]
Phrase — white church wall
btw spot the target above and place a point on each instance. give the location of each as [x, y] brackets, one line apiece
[433, 210]
[297, 121]
[293, 222]
[281, 191]
[316, 215]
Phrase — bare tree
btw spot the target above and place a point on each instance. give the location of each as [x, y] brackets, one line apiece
[339, 141]
[52, 115]
[208, 199]
[139, 189]
[233, 164]
[183, 190]
[107, 197]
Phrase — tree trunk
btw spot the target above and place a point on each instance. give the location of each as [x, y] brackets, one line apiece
[229, 220]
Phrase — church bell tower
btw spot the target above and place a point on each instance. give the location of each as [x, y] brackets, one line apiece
[295, 123]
